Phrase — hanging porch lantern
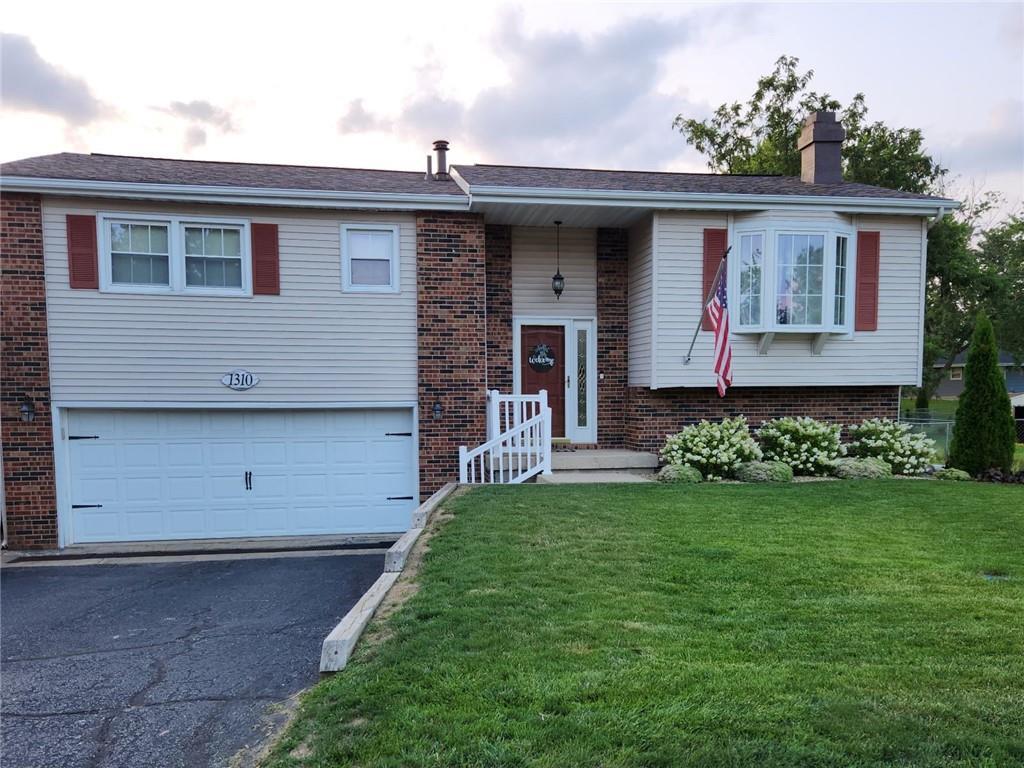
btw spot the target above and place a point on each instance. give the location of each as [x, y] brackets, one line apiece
[558, 282]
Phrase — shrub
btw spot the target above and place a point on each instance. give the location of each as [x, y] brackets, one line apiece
[715, 449]
[862, 469]
[949, 473]
[810, 447]
[675, 473]
[764, 472]
[906, 451]
[984, 433]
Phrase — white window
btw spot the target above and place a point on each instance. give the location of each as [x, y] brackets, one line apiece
[792, 279]
[174, 254]
[956, 374]
[369, 258]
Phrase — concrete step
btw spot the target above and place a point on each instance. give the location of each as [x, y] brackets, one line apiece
[603, 460]
[595, 476]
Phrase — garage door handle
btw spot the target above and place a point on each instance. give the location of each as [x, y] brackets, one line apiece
[86, 506]
[399, 498]
[248, 481]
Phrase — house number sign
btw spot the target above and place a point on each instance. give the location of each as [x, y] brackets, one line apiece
[541, 358]
[240, 379]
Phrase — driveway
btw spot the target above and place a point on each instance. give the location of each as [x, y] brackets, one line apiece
[171, 663]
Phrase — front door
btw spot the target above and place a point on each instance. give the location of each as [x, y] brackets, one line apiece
[543, 367]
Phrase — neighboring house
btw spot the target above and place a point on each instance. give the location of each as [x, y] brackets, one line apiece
[952, 384]
[200, 349]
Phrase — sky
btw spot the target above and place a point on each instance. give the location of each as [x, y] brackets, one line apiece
[575, 84]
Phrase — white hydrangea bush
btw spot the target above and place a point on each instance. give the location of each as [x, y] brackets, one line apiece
[907, 451]
[716, 449]
[809, 446]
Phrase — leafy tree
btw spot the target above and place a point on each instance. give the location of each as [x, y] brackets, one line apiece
[984, 433]
[759, 137]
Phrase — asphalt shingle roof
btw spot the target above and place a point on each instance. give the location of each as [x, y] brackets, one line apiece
[152, 170]
[652, 181]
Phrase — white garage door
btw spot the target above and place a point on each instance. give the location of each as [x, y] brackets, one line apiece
[174, 474]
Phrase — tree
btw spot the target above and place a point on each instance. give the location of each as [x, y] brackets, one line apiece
[760, 137]
[984, 433]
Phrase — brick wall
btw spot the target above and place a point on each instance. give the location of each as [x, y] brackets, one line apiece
[652, 414]
[451, 315]
[29, 489]
[499, 308]
[612, 336]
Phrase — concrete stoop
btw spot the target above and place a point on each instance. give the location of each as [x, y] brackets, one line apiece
[595, 476]
[600, 466]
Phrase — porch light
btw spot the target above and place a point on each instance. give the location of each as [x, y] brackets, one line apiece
[437, 410]
[558, 282]
[27, 410]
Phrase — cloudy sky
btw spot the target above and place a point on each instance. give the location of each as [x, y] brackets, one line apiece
[585, 84]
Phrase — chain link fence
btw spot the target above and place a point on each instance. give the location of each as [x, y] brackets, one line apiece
[937, 426]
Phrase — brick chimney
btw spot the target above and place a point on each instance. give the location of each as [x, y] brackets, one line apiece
[820, 142]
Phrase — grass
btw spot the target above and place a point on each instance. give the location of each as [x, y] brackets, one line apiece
[814, 624]
[941, 408]
[1018, 456]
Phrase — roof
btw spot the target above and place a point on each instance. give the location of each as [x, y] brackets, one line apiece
[656, 181]
[1005, 358]
[158, 170]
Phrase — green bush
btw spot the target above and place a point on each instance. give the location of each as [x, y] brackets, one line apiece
[810, 447]
[907, 452]
[950, 473]
[862, 469]
[674, 473]
[764, 472]
[984, 434]
[715, 449]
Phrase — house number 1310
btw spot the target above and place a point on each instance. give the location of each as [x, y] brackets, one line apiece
[240, 379]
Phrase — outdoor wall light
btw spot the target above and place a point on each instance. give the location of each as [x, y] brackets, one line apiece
[437, 410]
[558, 282]
[27, 409]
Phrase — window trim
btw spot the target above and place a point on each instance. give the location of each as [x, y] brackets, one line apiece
[176, 254]
[346, 258]
[959, 373]
[769, 276]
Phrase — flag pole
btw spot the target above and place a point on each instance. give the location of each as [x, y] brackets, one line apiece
[707, 301]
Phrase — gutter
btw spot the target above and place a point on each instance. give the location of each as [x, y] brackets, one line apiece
[299, 198]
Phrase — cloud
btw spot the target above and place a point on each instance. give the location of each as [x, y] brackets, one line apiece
[568, 99]
[997, 147]
[30, 83]
[195, 137]
[202, 112]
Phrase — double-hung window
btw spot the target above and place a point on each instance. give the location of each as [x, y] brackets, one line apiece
[790, 279]
[369, 258]
[174, 254]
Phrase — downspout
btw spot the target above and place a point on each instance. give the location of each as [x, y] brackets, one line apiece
[938, 217]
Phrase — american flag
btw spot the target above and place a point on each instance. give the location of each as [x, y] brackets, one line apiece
[718, 311]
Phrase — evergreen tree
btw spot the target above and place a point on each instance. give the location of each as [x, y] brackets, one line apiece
[984, 434]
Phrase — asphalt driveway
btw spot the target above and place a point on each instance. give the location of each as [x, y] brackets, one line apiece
[169, 664]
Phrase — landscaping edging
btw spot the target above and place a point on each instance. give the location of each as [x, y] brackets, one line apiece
[339, 644]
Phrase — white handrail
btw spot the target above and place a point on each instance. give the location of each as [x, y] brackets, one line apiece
[514, 456]
[504, 412]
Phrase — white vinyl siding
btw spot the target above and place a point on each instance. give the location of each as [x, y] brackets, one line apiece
[533, 264]
[641, 310]
[311, 344]
[889, 355]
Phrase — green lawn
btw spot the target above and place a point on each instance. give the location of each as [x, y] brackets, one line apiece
[945, 408]
[815, 624]
[1018, 456]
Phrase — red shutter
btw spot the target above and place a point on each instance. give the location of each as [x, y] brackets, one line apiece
[265, 270]
[83, 265]
[866, 314]
[715, 241]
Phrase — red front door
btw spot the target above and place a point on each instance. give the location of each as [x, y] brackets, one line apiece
[543, 367]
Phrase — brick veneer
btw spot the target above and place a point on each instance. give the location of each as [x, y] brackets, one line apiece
[451, 317]
[652, 414]
[29, 488]
[612, 335]
[499, 308]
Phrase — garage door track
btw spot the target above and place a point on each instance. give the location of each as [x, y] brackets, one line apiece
[171, 663]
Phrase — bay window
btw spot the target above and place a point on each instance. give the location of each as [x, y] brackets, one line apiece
[791, 279]
[174, 254]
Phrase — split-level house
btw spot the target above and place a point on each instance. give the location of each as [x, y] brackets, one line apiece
[205, 350]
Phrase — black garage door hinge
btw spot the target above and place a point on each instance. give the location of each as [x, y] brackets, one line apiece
[398, 434]
[86, 506]
[399, 498]
[83, 437]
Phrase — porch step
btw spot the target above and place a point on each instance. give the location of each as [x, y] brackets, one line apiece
[603, 460]
[595, 476]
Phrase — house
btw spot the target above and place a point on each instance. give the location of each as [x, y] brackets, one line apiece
[952, 384]
[204, 350]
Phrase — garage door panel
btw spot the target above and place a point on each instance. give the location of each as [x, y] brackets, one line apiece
[182, 474]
